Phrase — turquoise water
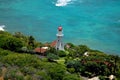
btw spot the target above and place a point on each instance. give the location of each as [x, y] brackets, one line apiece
[95, 23]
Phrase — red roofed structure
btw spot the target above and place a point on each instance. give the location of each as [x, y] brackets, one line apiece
[53, 44]
[40, 50]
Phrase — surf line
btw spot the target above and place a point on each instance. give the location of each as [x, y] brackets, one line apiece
[62, 2]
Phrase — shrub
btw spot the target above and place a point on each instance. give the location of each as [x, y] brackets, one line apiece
[28, 77]
[56, 71]
[4, 53]
[44, 75]
[81, 49]
[71, 70]
[13, 74]
[61, 53]
[71, 77]
[11, 43]
[102, 78]
[22, 60]
[52, 57]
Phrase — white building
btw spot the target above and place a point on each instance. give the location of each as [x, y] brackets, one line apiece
[59, 43]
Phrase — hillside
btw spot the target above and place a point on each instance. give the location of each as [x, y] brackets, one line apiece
[18, 61]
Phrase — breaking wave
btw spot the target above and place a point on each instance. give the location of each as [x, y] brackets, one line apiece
[2, 27]
[62, 2]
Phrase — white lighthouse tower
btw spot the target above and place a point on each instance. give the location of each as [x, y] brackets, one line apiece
[59, 44]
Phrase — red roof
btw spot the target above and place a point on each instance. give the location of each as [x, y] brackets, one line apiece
[40, 50]
[53, 43]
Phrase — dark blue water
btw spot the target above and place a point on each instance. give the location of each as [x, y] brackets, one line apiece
[95, 23]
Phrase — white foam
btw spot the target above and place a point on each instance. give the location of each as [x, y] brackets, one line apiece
[2, 27]
[62, 2]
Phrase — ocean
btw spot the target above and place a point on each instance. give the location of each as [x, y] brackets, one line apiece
[95, 23]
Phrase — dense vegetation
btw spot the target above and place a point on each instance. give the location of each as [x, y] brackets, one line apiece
[19, 62]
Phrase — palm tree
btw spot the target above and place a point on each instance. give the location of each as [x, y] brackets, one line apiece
[31, 41]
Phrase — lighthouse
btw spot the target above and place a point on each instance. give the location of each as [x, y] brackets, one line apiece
[59, 44]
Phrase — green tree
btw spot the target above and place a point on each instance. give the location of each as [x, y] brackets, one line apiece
[74, 64]
[81, 49]
[31, 41]
[52, 50]
[18, 35]
[56, 71]
[52, 57]
[116, 60]
[61, 53]
[3, 33]
[72, 53]
[11, 43]
[71, 45]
